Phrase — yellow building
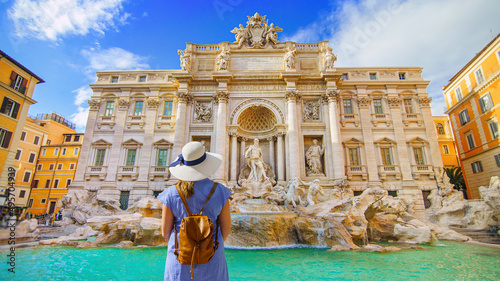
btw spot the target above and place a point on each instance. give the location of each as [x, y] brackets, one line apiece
[55, 171]
[446, 141]
[32, 138]
[17, 84]
[473, 96]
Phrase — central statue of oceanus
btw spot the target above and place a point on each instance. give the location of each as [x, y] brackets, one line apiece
[257, 177]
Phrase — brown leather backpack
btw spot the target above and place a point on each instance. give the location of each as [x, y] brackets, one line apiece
[195, 244]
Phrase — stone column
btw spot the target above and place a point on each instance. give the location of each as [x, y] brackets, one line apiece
[338, 157]
[402, 146]
[149, 127]
[180, 123]
[293, 142]
[115, 159]
[234, 155]
[85, 151]
[366, 125]
[242, 152]
[271, 153]
[327, 142]
[434, 151]
[281, 161]
[220, 138]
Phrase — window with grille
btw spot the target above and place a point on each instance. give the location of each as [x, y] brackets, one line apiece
[130, 161]
[418, 152]
[138, 108]
[162, 157]
[386, 156]
[99, 157]
[377, 103]
[167, 111]
[402, 76]
[354, 156]
[373, 76]
[110, 107]
[408, 105]
[347, 106]
[124, 195]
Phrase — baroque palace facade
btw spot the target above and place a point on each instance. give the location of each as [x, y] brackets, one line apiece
[374, 124]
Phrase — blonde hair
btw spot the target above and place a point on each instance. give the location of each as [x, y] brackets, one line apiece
[187, 188]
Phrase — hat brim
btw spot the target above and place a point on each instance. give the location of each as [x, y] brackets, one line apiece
[197, 172]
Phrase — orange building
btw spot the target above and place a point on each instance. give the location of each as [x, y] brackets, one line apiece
[32, 137]
[17, 84]
[446, 141]
[473, 96]
[56, 164]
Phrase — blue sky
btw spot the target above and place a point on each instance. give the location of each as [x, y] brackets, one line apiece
[66, 41]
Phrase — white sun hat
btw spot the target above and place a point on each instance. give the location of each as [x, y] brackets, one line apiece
[194, 163]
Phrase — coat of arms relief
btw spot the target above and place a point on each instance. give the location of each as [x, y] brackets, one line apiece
[257, 33]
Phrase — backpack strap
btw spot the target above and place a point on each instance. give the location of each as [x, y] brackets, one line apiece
[184, 200]
[214, 187]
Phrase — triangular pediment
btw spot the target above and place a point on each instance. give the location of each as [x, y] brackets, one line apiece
[101, 142]
[417, 140]
[385, 140]
[353, 141]
[162, 142]
[132, 142]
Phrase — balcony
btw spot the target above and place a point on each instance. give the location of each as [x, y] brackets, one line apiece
[409, 118]
[389, 170]
[422, 170]
[349, 118]
[128, 171]
[165, 120]
[135, 120]
[378, 118]
[159, 172]
[106, 120]
[356, 171]
[96, 171]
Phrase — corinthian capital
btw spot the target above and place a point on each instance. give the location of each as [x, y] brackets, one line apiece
[221, 97]
[363, 102]
[425, 102]
[331, 96]
[292, 96]
[182, 97]
[94, 104]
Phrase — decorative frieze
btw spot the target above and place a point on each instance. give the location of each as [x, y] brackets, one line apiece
[156, 77]
[103, 77]
[394, 102]
[363, 102]
[128, 77]
[305, 87]
[153, 103]
[123, 104]
[203, 112]
[311, 111]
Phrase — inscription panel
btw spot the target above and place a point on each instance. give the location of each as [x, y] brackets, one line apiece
[257, 63]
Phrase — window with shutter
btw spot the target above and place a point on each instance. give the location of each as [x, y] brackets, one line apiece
[5, 137]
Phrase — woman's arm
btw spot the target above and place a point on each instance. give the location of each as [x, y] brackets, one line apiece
[167, 222]
[225, 220]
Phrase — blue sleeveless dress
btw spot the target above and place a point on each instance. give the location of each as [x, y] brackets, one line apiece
[216, 269]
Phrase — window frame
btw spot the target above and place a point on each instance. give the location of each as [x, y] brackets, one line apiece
[63, 151]
[5, 137]
[463, 117]
[440, 129]
[477, 167]
[469, 137]
[10, 107]
[130, 158]
[19, 154]
[34, 157]
[344, 106]
[75, 150]
[497, 159]
[60, 166]
[408, 105]
[402, 75]
[23, 136]
[109, 109]
[378, 107]
[139, 110]
[36, 140]
[458, 94]
[446, 149]
[168, 109]
[159, 152]
[373, 75]
[29, 176]
[384, 156]
[493, 127]
[479, 78]
[99, 159]
[483, 105]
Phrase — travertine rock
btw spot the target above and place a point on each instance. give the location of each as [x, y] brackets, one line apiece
[412, 235]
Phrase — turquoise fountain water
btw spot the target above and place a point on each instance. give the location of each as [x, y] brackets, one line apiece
[454, 261]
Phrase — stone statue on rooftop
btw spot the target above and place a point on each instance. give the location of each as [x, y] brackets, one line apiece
[185, 58]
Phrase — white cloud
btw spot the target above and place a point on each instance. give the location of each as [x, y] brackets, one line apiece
[53, 19]
[112, 59]
[80, 118]
[440, 36]
[98, 59]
